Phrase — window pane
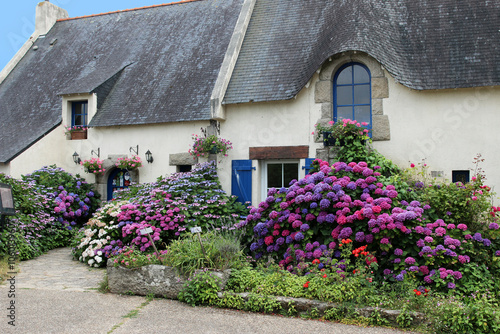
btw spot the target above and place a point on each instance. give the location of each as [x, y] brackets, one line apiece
[344, 95]
[345, 77]
[78, 108]
[362, 114]
[344, 112]
[360, 74]
[362, 94]
[78, 120]
[291, 173]
[274, 175]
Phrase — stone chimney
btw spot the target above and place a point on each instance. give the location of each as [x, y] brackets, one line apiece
[46, 16]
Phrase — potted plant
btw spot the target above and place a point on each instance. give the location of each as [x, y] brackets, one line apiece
[76, 132]
[341, 132]
[203, 146]
[93, 166]
[129, 163]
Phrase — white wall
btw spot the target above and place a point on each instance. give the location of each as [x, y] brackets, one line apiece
[162, 140]
[283, 123]
[447, 128]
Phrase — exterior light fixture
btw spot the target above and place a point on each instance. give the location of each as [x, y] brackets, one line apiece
[149, 157]
[76, 158]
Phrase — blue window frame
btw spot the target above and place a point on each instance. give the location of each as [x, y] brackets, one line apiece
[79, 113]
[352, 96]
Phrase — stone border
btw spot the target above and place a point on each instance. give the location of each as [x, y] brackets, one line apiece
[162, 281]
[304, 305]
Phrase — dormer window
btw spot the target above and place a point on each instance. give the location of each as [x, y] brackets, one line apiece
[79, 113]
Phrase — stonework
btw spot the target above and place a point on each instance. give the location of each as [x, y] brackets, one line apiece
[162, 281]
[323, 93]
[182, 159]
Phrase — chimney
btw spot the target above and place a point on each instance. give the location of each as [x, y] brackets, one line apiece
[46, 16]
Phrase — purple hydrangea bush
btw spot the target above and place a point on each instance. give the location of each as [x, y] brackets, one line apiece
[169, 207]
[48, 203]
[308, 220]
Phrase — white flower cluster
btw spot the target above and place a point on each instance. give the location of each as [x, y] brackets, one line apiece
[97, 234]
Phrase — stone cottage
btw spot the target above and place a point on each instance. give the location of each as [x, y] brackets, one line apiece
[424, 75]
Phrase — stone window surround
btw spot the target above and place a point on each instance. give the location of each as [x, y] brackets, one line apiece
[67, 101]
[379, 88]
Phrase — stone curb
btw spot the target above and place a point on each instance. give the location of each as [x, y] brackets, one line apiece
[304, 305]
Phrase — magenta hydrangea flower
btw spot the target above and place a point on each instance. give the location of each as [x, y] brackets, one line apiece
[409, 260]
[384, 241]
[493, 226]
[462, 227]
[398, 252]
[440, 231]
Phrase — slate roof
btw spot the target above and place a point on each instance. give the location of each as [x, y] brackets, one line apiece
[427, 44]
[151, 65]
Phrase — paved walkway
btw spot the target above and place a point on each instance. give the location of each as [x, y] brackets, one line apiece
[54, 294]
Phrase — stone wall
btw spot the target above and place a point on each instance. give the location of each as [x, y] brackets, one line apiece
[161, 281]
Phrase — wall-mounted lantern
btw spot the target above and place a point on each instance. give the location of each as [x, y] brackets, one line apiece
[149, 157]
[76, 158]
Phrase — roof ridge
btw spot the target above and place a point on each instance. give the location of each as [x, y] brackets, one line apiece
[128, 10]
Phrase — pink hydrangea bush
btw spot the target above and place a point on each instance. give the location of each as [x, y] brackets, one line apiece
[307, 221]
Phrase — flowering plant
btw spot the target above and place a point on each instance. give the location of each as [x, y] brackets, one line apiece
[129, 163]
[203, 146]
[75, 128]
[345, 129]
[93, 165]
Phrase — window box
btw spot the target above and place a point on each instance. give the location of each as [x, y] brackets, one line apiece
[79, 134]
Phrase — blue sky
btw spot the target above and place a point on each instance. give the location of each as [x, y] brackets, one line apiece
[17, 18]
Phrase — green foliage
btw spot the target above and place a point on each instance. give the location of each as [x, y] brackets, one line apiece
[215, 251]
[260, 303]
[405, 318]
[230, 300]
[376, 318]
[201, 289]
[455, 316]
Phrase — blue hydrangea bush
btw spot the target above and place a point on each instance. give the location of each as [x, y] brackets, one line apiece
[308, 221]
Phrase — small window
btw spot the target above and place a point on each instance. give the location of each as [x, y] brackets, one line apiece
[460, 176]
[278, 174]
[352, 94]
[184, 168]
[79, 113]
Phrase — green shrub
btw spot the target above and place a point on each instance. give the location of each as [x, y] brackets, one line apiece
[216, 251]
[200, 289]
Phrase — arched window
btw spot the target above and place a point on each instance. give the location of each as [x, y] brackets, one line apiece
[352, 94]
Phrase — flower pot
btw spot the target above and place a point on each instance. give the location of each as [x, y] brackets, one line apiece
[77, 135]
[214, 150]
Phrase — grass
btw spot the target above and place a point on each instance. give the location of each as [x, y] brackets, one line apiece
[5, 269]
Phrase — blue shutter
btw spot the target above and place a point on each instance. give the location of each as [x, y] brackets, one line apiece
[241, 180]
[308, 165]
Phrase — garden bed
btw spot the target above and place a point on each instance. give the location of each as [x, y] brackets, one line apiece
[161, 281]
